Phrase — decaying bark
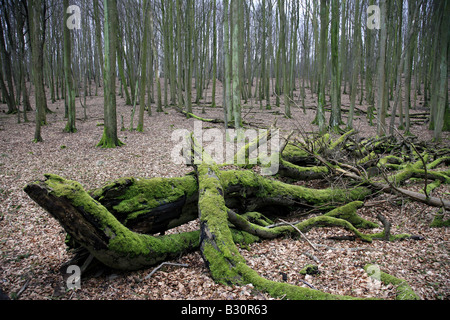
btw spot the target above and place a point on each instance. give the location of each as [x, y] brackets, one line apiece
[122, 224]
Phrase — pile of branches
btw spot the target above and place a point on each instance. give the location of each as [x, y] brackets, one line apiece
[122, 225]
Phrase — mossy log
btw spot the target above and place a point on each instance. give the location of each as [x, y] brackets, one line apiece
[220, 253]
[123, 224]
[96, 229]
[150, 206]
[403, 290]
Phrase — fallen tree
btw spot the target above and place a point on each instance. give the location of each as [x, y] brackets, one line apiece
[122, 225]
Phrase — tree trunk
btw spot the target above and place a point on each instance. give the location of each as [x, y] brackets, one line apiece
[5, 55]
[214, 55]
[443, 111]
[36, 12]
[143, 68]
[110, 138]
[382, 107]
[235, 65]
[68, 75]
[320, 116]
[357, 57]
[335, 118]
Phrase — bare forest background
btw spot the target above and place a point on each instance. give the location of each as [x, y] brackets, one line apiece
[155, 53]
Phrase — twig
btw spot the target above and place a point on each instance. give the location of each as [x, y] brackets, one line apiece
[387, 226]
[165, 264]
[310, 243]
[347, 249]
[27, 282]
[308, 284]
[312, 257]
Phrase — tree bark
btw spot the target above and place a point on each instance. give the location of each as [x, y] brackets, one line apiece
[110, 138]
[68, 75]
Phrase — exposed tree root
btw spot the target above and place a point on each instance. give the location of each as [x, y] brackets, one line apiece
[117, 225]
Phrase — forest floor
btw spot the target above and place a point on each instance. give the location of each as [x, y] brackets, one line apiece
[32, 247]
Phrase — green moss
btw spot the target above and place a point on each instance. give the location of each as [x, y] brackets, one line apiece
[348, 213]
[310, 269]
[392, 238]
[325, 221]
[284, 290]
[264, 187]
[341, 139]
[402, 176]
[438, 221]
[292, 151]
[370, 156]
[438, 161]
[257, 218]
[243, 238]
[433, 185]
[404, 291]
[391, 159]
[222, 270]
[139, 196]
[109, 143]
[305, 172]
[218, 247]
[127, 250]
[316, 196]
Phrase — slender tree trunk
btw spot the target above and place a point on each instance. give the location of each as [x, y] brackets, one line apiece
[179, 55]
[98, 37]
[190, 21]
[214, 55]
[7, 62]
[36, 11]
[381, 110]
[68, 76]
[443, 112]
[110, 138]
[228, 101]
[283, 58]
[142, 84]
[335, 118]
[155, 55]
[236, 88]
[357, 57]
[320, 116]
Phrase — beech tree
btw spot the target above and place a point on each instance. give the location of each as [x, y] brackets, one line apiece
[68, 75]
[110, 138]
[37, 10]
[335, 117]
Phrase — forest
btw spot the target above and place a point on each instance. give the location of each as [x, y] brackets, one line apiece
[224, 149]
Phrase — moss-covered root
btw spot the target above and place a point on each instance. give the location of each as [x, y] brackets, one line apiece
[293, 171]
[348, 213]
[226, 264]
[284, 290]
[216, 244]
[95, 228]
[438, 221]
[404, 291]
[304, 226]
[261, 192]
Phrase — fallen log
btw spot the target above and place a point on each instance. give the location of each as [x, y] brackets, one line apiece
[96, 229]
[118, 224]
